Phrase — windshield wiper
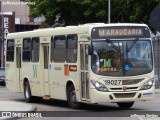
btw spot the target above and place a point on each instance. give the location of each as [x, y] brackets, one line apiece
[132, 45]
[113, 45]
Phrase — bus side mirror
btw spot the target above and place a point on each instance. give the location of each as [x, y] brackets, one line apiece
[90, 49]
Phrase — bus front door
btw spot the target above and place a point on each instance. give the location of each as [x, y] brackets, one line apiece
[46, 72]
[18, 67]
[84, 71]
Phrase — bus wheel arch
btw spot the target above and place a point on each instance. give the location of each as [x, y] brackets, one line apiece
[27, 90]
[71, 95]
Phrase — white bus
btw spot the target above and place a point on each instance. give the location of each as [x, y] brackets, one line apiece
[90, 63]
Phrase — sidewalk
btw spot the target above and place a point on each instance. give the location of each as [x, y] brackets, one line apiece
[157, 91]
[8, 107]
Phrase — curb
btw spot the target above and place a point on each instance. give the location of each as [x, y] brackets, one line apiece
[14, 110]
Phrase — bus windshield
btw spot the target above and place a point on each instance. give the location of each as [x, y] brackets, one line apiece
[122, 57]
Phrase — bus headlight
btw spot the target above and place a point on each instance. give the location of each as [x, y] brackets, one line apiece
[99, 86]
[147, 85]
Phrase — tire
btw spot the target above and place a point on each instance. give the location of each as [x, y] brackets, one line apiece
[125, 104]
[71, 98]
[27, 92]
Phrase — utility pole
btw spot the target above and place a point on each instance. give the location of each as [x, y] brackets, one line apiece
[109, 11]
[2, 42]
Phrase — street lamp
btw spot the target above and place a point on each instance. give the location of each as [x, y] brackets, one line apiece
[109, 11]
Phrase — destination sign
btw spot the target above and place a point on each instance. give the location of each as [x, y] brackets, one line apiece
[120, 32]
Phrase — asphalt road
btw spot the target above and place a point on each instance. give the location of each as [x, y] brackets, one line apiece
[90, 111]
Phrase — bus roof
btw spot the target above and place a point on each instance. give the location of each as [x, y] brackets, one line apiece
[80, 29]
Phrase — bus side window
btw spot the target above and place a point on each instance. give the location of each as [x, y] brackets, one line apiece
[86, 56]
[26, 49]
[10, 50]
[35, 49]
[71, 49]
[59, 53]
[52, 49]
[82, 56]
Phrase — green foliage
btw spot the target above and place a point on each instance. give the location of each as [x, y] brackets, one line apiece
[75, 12]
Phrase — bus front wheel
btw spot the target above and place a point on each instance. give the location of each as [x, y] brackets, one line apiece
[125, 104]
[27, 92]
[71, 98]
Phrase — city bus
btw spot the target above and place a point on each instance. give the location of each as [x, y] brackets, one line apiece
[89, 63]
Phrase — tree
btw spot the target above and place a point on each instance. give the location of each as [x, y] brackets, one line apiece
[73, 12]
[121, 10]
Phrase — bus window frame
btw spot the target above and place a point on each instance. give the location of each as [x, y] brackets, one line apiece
[35, 38]
[12, 40]
[74, 48]
[30, 50]
[57, 49]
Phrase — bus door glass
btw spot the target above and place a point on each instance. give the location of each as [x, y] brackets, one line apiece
[46, 58]
[84, 70]
[18, 66]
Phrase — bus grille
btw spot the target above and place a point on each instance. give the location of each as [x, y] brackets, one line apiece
[128, 88]
[124, 95]
[131, 82]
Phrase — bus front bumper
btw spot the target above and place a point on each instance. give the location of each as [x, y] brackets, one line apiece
[102, 97]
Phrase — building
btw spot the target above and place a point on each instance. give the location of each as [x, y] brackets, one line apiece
[23, 21]
[15, 17]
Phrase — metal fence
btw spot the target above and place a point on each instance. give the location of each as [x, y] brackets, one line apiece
[156, 51]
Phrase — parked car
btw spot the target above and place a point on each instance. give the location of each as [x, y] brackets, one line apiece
[2, 76]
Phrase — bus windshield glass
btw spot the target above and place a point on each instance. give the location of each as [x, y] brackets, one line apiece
[122, 57]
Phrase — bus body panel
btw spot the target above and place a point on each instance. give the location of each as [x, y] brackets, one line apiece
[33, 77]
[133, 91]
[11, 82]
[103, 97]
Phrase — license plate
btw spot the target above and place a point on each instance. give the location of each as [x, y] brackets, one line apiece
[113, 82]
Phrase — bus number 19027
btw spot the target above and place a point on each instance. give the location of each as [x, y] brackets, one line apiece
[113, 82]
